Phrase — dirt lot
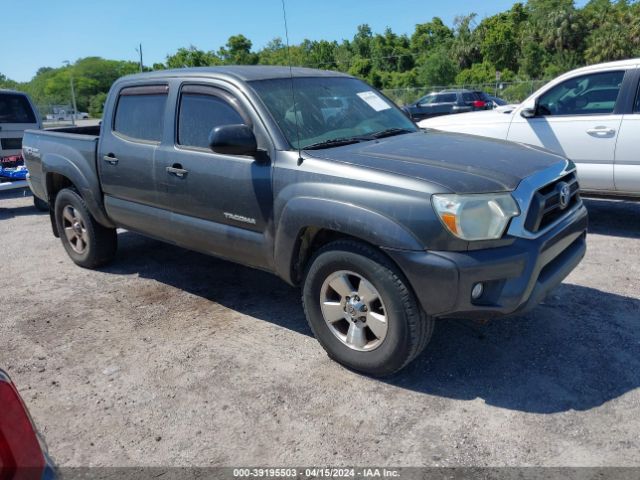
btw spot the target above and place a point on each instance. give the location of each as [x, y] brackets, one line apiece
[168, 357]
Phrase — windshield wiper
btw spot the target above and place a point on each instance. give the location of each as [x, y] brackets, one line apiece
[390, 132]
[335, 142]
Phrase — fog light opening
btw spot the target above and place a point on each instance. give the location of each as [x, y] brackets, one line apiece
[477, 291]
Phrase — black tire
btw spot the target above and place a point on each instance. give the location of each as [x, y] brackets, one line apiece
[409, 329]
[40, 204]
[101, 242]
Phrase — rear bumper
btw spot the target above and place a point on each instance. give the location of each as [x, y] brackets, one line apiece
[515, 277]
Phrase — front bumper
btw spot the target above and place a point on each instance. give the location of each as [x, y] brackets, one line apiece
[515, 277]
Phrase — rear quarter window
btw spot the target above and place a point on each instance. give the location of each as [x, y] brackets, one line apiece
[15, 108]
[140, 113]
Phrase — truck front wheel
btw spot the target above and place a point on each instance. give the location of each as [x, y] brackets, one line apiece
[88, 243]
[362, 310]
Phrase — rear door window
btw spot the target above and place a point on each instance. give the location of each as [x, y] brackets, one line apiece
[140, 112]
[447, 98]
[15, 108]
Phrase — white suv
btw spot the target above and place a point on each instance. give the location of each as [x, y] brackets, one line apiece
[590, 115]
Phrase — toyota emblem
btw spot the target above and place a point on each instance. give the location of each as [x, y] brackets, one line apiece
[564, 196]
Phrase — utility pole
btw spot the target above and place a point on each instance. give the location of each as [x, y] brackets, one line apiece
[73, 95]
[139, 50]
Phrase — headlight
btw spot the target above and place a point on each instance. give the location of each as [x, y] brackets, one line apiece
[476, 217]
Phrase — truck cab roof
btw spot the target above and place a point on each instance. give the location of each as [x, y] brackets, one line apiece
[245, 73]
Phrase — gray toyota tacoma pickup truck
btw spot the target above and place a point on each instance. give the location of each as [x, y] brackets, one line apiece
[318, 178]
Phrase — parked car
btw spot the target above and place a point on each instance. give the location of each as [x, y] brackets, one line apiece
[591, 115]
[491, 101]
[17, 114]
[23, 453]
[64, 115]
[384, 226]
[446, 102]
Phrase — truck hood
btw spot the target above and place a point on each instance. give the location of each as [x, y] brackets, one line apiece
[457, 163]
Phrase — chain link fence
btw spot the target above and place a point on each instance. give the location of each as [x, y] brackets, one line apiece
[512, 92]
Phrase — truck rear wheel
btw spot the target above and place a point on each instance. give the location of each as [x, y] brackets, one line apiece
[40, 204]
[362, 310]
[88, 243]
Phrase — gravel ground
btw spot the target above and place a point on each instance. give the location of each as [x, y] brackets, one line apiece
[168, 357]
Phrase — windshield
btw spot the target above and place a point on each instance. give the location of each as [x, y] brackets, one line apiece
[15, 108]
[330, 109]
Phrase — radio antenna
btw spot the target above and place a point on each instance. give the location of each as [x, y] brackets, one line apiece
[293, 89]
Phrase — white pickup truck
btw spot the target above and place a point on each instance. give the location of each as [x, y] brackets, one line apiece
[590, 115]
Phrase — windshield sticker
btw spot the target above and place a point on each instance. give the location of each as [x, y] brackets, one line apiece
[374, 101]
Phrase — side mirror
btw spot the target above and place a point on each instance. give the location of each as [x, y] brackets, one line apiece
[233, 140]
[528, 112]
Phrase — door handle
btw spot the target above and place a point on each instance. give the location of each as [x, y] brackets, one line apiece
[110, 159]
[177, 170]
[601, 131]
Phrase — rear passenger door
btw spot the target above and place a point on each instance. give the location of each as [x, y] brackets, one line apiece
[127, 150]
[445, 104]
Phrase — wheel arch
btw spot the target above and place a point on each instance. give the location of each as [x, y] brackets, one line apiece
[307, 224]
[60, 172]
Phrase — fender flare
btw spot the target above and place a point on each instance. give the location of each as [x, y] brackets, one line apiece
[87, 186]
[302, 212]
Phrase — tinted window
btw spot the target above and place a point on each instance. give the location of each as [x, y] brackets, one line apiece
[447, 98]
[15, 109]
[469, 97]
[587, 95]
[141, 116]
[428, 99]
[199, 114]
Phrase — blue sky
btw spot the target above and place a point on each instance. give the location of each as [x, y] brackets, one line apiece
[46, 32]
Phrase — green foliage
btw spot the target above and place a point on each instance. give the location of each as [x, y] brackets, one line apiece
[96, 106]
[237, 51]
[431, 35]
[192, 57]
[439, 69]
[7, 83]
[482, 73]
[533, 40]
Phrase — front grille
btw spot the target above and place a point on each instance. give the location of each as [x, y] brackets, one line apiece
[11, 143]
[546, 207]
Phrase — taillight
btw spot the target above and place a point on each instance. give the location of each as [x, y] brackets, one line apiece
[479, 103]
[21, 455]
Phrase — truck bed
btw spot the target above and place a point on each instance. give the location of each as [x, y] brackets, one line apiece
[91, 130]
[70, 148]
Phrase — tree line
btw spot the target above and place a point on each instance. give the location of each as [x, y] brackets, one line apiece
[538, 39]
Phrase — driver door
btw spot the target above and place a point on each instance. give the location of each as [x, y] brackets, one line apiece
[220, 204]
[578, 119]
